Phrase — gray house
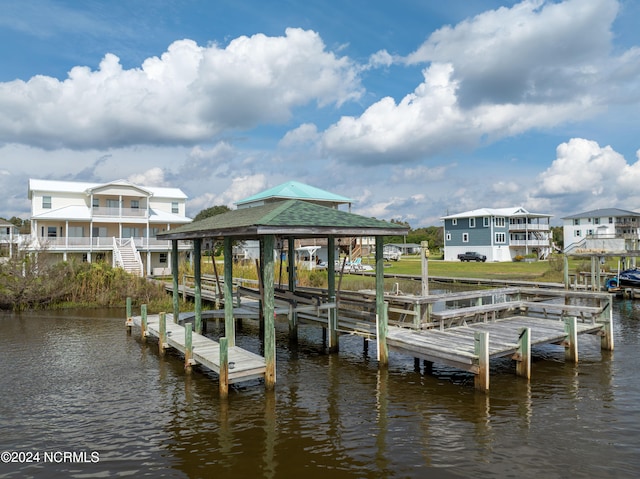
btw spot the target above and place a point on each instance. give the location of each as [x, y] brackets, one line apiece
[500, 234]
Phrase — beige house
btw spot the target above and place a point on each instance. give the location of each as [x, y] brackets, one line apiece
[115, 222]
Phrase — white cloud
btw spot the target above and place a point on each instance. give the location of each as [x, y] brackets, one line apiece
[504, 72]
[306, 133]
[189, 94]
[241, 187]
[152, 177]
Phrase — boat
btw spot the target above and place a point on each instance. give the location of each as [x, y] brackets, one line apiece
[628, 278]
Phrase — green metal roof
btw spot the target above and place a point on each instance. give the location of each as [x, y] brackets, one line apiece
[286, 218]
[296, 191]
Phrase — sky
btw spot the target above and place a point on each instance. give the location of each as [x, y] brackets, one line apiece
[414, 109]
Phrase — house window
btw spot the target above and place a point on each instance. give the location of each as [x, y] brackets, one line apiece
[448, 236]
[129, 232]
[576, 233]
[472, 222]
[135, 204]
[174, 207]
[500, 238]
[163, 258]
[500, 222]
[589, 232]
[596, 221]
[96, 202]
[610, 220]
[52, 232]
[76, 231]
[465, 237]
[46, 202]
[576, 221]
[485, 221]
[454, 222]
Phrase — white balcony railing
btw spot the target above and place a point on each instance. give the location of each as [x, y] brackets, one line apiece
[101, 243]
[533, 242]
[119, 212]
[528, 227]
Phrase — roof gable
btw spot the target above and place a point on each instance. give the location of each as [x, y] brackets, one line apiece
[298, 191]
[289, 218]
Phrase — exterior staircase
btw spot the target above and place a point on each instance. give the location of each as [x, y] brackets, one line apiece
[127, 257]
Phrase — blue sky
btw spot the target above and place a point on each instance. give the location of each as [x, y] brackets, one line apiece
[414, 109]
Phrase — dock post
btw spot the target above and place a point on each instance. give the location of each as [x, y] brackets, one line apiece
[197, 286]
[229, 324]
[162, 340]
[523, 355]
[269, 312]
[188, 346]
[565, 267]
[174, 273]
[481, 344]
[381, 305]
[571, 341]
[424, 276]
[143, 322]
[291, 276]
[224, 368]
[129, 320]
[606, 335]
[332, 318]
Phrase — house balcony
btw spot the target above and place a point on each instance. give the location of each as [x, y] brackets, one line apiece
[106, 212]
[530, 243]
[81, 244]
[528, 227]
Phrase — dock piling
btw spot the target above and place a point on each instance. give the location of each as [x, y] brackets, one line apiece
[188, 346]
[162, 340]
[481, 344]
[224, 368]
[143, 322]
[129, 320]
[571, 341]
[523, 355]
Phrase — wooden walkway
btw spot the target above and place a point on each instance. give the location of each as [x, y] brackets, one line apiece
[241, 365]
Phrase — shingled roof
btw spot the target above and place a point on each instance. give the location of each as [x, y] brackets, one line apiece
[286, 218]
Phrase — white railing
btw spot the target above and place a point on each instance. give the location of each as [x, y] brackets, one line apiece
[119, 212]
[529, 243]
[99, 243]
[528, 227]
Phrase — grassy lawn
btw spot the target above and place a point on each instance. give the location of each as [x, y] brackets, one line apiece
[548, 271]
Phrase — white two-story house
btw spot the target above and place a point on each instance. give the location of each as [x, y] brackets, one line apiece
[607, 229]
[115, 222]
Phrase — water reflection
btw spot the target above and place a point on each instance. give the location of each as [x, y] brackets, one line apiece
[86, 384]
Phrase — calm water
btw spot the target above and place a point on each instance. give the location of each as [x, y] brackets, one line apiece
[75, 382]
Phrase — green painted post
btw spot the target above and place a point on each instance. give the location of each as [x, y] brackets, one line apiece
[162, 340]
[224, 368]
[188, 346]
[383, 352]
[523, 354]
[571, 341]
[197, 261]
[291, 270]
[229, 323]
[481, 346]
[174, 273]
[144, 325]
[334, 345]
[268, 312]
[566, 271]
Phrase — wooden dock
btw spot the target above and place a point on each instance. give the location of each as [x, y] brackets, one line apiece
[232, 363]
[464, 330]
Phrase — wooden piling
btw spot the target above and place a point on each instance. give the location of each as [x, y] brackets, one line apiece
[188, 346]
[162, 340]
[197, 287]
[143, 322]
[481, 345]
[268, 308]
[129, 320]
[523, 355]
[229, 324]
[224, 368]
[571, 341]
[381, 306]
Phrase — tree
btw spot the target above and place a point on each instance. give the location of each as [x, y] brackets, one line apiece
[212, 211]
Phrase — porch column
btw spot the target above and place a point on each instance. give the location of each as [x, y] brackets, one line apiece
[174, 274]
[331, 290]
[268, 312]
[229, 323]
[381, 310]
[197, 260]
